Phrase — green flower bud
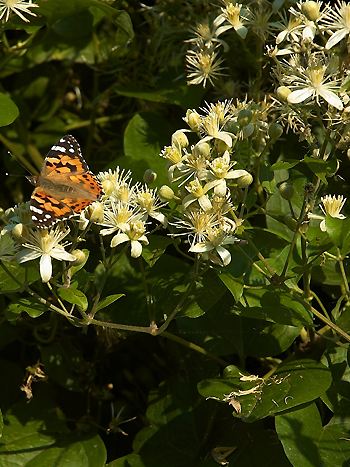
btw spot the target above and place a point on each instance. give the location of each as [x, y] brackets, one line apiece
[18, 231]
[244, 117]
[165, 193]
[248, 130]
[149, 176]
[283, 93]
[80, 257]
[193, 120]
[220, 146]
[179, 138]
[286, 190]
[245, 180]
[95, 212]
[311, 10]
[275, 131]
[201, 149]
[108, 187]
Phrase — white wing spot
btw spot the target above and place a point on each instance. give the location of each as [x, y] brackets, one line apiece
[58, 148]
[48, 216]
[37, 210]
[34, 218]
[71, 150]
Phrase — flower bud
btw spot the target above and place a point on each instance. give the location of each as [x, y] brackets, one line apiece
[221, 146]
[108, 187]
[244, 117]
[95, 212]
[245, 180]
[80, 257]
[201, 149]
[165, 193]
[193, 119]
[149, 176]
[286, 190]
[17, 231]
[283, 93]
[248, 130]
[311, 10]
[179, 138]
[275, 131]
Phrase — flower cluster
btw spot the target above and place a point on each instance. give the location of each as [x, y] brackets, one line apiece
[207, 184]
[124, 211]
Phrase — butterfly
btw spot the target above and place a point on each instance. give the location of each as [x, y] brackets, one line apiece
[65, 185]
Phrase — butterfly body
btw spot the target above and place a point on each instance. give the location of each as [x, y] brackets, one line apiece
[65, 185]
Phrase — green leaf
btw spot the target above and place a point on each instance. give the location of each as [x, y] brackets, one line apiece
[284, 165]
[157, 246]
[109, 300]
[339, 232]
[29, 306]
[130, 460]
[85, 452]
[75, 297]
[282, 391]
[307, 443]
[235, 285]
[1, 424]
[8, 110]
[222, 333]
[145, 135]
[321, 168]
[276, 305]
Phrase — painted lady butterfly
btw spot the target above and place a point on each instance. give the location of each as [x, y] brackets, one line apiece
[65, 185]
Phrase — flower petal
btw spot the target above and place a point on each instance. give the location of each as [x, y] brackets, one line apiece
[201, 247]
[118, 239]
[335, 38]
[27, 255]
[224, 254]
[45, 268]
[61, 254]
[136, 248]
[301, 95]
[331, 98]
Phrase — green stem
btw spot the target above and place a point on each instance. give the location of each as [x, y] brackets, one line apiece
[343, 274]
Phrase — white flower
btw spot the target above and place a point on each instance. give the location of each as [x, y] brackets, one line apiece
[235, 15]
[117, 217]
[195, 225]
[199, 193]
[45, 245]
[150, 204]
[215, 238]
[337, 19]
[221, 170]
[332, 205]
[117, 184]
[203, 65]
[135, 234]
[19, 7]
[312, 82]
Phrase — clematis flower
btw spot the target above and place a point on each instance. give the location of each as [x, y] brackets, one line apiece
[19, 7]
[133, 233]
[45, 245]
[331, 206]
